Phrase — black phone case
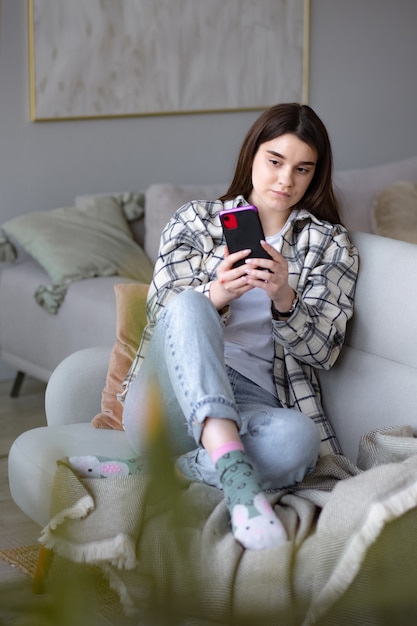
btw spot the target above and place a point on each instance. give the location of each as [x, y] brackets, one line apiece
[245, 232]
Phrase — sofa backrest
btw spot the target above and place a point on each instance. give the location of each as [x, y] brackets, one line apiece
[161, 202]
[374, 381]
[355, 189]
[358, 189]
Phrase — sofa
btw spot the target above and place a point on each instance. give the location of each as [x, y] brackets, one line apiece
[371, 388]
[33, 341]
[372, 384]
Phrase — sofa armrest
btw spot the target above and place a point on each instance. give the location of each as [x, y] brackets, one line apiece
[73, 393]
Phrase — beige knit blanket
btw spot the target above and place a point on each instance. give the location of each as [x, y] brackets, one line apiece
[352, 550]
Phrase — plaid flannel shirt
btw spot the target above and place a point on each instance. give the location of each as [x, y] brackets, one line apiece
[323, 267]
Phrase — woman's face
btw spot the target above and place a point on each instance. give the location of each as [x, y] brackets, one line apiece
[281, 173]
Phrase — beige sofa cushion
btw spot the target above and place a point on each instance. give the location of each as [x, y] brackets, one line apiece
[395, 212]
[163, 199]
[130, 322]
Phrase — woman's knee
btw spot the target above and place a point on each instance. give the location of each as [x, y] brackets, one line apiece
[189, 303]
[191, 318]
[283, 444]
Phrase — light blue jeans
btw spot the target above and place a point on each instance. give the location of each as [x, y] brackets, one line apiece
[186, 358]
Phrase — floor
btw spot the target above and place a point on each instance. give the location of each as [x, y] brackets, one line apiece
[16, 416]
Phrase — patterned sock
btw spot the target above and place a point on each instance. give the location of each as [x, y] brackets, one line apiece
[254, 522]
[90, 466]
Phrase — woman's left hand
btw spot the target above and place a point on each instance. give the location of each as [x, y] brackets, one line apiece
[271, 275]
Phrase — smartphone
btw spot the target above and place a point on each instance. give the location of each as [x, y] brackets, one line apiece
[243, 229]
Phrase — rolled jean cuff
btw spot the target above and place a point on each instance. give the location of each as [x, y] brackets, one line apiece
[208, 406]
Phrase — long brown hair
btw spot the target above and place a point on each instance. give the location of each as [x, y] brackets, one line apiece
[299, 120]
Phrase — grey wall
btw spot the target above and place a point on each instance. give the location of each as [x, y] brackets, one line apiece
[363, 83]
[364, 79]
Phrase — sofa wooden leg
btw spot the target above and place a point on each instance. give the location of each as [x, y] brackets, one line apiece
[42, 569]
[18, 381]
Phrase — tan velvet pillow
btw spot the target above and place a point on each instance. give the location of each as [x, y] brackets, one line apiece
[130, 322]
[395, 212]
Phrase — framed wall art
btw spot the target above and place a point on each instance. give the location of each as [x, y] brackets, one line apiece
[113, 58]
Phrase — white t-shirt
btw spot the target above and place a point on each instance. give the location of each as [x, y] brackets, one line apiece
[249, 347]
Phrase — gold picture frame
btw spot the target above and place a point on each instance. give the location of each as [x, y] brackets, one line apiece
[90, 60]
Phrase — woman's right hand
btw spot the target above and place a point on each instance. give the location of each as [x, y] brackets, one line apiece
[231, 281]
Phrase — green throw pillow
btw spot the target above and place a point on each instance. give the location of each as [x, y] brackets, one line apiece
[72, 243]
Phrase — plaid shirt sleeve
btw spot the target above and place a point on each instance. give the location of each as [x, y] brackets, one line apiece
[323, 266]
[190, 250]
[323, 269]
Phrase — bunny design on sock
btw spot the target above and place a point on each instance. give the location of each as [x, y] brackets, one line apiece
[93, 467]
[263, 530]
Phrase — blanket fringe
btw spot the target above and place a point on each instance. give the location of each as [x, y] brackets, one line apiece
[119, 551]
[118, 585]
[379, 515]
[79, 510]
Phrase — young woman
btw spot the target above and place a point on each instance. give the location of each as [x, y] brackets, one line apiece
[235, 349]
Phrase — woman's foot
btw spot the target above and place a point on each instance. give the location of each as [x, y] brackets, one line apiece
[254, 522]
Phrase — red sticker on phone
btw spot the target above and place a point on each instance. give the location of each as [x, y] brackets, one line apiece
[230, 221]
